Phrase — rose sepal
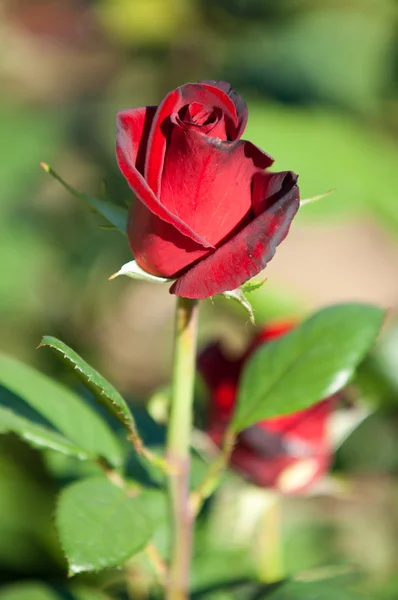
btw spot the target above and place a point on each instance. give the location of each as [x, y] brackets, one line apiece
[134, 271]
[239, 296]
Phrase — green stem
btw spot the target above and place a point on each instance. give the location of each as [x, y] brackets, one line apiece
[178, 447]
[270, 545]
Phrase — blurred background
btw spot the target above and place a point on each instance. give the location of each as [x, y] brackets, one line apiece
[321, 82]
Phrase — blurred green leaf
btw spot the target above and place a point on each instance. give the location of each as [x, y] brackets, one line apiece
[86, 593]
[115, 215]
[376, 380]
[219, 568]
[308, 364]
[38, 436]
[105, 393]
[82, 592]
[28, 591]
[358, 455]
[372, 386]
[154, 502]
[385, 356]
[64, 409]
[292, 590]
[99, 525]
[41, 591]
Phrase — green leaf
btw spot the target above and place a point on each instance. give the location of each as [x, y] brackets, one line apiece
[41, 591]
[28, 591]
[99, 525]
[115, 215]
[64, 409]
[293, 590]
[36, 435]
[308, 364]
[107, 395]
[83, 592]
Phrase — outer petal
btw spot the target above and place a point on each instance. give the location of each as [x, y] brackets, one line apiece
[132, 129]
[136, 123]
[308, 425]
[240, 105]
[208, 182]
[243, 256]
[271, 331]
[161, 125]
[270, 187]
[215, 367]
[157, 246]
[288, 452]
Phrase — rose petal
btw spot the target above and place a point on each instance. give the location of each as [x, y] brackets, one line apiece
[242, 257]
[161, 126]
[240, 105]
[215, 127]
[157, 246]
[270, 187]
[207, 182]
[216, 368]
[307, 424]
[205, 119]
[136, 122]
[131, 139]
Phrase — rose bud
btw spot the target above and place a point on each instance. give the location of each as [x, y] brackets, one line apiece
[207, 213]
[288, 453]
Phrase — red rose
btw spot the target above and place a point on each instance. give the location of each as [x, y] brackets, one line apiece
[207, 211]
[288, 453]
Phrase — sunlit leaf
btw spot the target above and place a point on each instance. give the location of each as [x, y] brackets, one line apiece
[306, 365]
[99, 525]
[107, 395]
[36, 435]
[61, 407]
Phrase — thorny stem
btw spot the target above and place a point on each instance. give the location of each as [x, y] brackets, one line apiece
[178, 447]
